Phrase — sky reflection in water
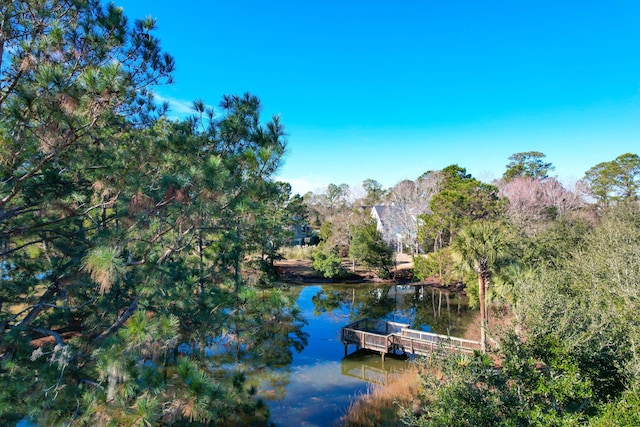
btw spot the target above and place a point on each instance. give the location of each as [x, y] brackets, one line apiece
[316, 389]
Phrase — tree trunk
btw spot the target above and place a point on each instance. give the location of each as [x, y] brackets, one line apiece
[483, 312]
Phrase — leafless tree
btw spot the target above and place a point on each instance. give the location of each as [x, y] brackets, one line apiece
[407, 200]
[533, 201]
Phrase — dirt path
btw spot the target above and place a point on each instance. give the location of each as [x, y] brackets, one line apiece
[300, 271]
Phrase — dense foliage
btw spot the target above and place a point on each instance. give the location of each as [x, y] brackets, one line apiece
[571, 357]
[615, 180]
[328, 262]
[440, 265]
[460, 201]
[368, 247]
[125, 236]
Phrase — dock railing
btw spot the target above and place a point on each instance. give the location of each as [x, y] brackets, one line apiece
[378, 326]
[365, 335]
[385, 336]
[460, 344]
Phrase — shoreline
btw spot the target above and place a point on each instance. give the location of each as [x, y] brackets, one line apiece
[299, 272]
[380, 404]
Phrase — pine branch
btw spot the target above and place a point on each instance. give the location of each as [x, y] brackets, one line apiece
[8, 214]
[93, 383]
[121, 321]
[36, 309]
[38, 166]
[10, 251]
[54, 334]
[175, 247]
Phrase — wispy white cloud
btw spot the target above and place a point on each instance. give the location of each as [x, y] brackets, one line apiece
[178, 108]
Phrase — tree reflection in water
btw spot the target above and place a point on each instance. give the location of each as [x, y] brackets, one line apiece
[442, 312]
[423, 307]
[267, 327]
[369, 301]
[267, 331]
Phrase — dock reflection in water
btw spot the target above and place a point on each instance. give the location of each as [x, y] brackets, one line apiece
[370, 367]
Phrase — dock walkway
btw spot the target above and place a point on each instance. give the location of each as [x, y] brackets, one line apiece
[386, 337]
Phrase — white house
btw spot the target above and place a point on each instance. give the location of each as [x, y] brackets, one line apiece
[397, 224]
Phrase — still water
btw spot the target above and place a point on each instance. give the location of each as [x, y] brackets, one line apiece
[316, 388]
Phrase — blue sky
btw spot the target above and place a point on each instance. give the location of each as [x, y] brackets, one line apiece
[388, 90]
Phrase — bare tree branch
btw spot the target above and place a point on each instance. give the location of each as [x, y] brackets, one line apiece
[54, 334]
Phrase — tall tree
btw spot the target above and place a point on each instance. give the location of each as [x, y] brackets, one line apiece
[628, 178]
[273, 220]
[534, 202]
[122, 234]
[409, 200]
[482, 246]
[333, 214]
[374, 191]
[613, 181]
[460, 200]
[528, 164]
[336, 196]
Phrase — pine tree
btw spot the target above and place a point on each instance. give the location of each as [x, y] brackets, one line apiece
[124, 234]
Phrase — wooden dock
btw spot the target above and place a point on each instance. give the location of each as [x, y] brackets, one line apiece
[386, 337]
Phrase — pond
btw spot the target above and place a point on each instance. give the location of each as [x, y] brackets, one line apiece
[296, 361]
[317, 386]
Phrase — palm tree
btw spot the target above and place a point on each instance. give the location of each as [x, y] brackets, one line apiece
[482, 246]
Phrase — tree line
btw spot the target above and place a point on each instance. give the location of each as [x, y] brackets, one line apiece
[563, 266]
[568, 355]
[427, 214]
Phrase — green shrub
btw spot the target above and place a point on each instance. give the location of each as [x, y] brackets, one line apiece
[440, 265]
[368, 247]
[328, 263]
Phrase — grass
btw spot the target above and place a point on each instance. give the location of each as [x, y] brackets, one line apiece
[297, 252]
[381, 406]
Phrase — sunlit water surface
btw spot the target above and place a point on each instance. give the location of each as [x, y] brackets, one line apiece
[317, 387]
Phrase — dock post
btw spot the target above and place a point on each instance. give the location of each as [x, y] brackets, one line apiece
[346, 349]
